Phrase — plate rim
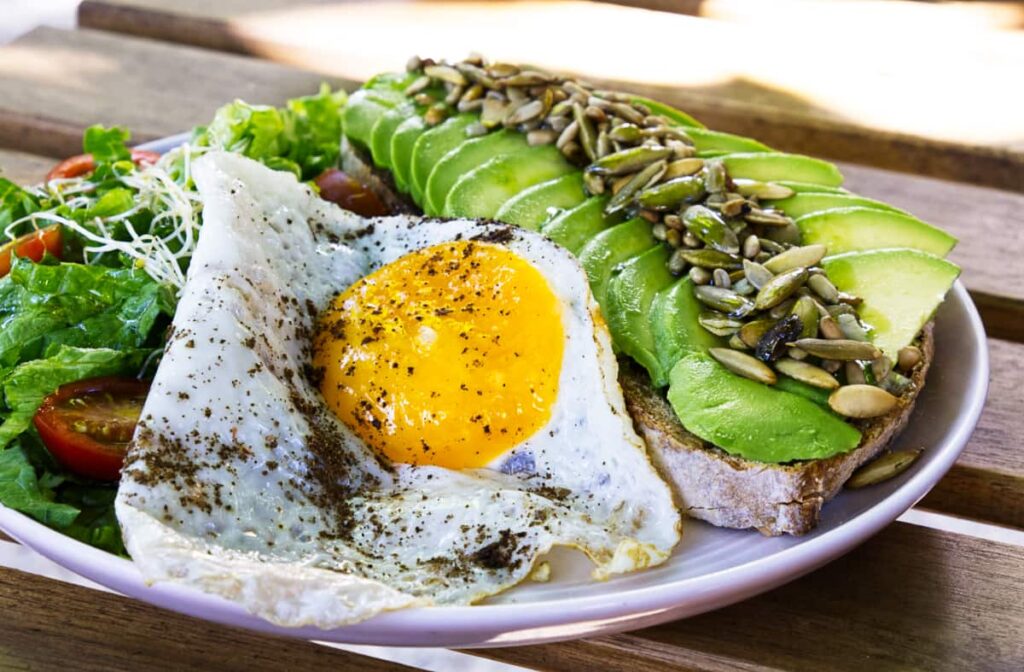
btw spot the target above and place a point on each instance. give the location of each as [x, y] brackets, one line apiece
[480, 626]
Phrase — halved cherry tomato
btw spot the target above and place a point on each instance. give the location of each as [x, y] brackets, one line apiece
[32, 245]
[83, 164]
[338, 187]
[87, 425]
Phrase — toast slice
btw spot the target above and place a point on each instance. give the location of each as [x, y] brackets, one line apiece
[709, 484]
[730, 491]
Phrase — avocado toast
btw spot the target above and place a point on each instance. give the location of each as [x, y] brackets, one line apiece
[773, 328]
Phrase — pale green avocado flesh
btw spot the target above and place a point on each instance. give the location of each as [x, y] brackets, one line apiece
[468, 156]
[752, 420]
[850, 229]
[771, 166]
[533, 207]
[800, 204]
[402, 143]
[611, 247]
[901, 290]
[433, 145]
[575, 227]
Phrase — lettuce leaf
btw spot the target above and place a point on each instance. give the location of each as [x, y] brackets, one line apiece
[20, 490]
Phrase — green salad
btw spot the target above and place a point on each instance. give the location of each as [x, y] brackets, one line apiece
[92, 263]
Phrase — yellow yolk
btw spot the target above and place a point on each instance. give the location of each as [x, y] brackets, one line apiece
[448, 356]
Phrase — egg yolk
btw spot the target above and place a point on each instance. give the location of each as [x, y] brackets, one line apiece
[448, 356]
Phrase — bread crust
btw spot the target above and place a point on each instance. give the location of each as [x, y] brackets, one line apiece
[708, 483]
[731, 491]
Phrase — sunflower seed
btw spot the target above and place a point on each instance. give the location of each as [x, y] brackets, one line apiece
[724, 300]
[676, 264]
[781, 310]
[527, 78]
[543, 136]
[435, 114]
[673, 237]
[766, 218]
[751, 246]
[840, 309]
[699, 276]
[807, 373]
[470, 105]
[502, 69]
[743, 287]
[413, 64]
[797, 353]
[763, 190]
[629, 160]
[718, 323]
[587, 135]
[680, 150]
[424, 99]
[779, 288]
[669, 195]
[861, 401]
[604, 144]
[593, 183]
[558, 124]
[788, 233]
[805, 256]
[721, 278]
[733, 206]
[445, 73]
[714, 176]
[454, 95]
[882, 469]
[568, 135]
[629, 133]
[744, 365]
[736, 343]
[528, 111]
[831, 365]
[842, 349]
[908, 357]
[829, 329]
[493, 112]
[854, 373]
[881, 368]
[419, 84]
[823, 287]
[673, 221]
[475, 130]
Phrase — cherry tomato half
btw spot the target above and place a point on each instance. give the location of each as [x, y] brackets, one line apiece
[87, 425]
[32, 245]
[83, 164]
[338, 187]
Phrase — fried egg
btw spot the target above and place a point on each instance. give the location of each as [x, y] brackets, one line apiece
[353, 416]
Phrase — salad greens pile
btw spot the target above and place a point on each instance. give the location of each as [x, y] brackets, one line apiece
[103, 308]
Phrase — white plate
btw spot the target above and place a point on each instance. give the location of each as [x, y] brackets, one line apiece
[711, 568]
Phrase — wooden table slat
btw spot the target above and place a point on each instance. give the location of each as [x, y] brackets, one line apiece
[24, 168]
[910, 598]
[824, 93]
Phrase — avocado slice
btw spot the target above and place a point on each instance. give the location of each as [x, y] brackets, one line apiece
[773, 166]
[808, 188]
[801, 204]
[857, 228]
[464, 158]
[402, 142]
[753, 420]
[431, 146]
[631, 291]
[362, 111]
[611, 247]
[679, 117]
[716, 141]
[674, 324]
[481, 192]
[532, 207]
[384, 130]
[575, 227]
[900, 290]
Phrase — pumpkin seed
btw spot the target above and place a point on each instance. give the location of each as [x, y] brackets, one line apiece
[629, 160]
[470, 105]
[629, 133]
[756, 274]
[908, 357]
[797, 353]
[861, 401]
[830, 365]
[897, 384]
[719, 323]
[724, 300]
[542, 136]
[842, 349]
[795, 257]
[771, 246]
[733, 206]
[852, 328]
[698, 275]
[736, 343]
[445, 73]
[823, 287]
[673, 221]
[854, 373]
[883, 468]
[683, 167]
[805, 309]
[435, 114]
[788, 234]
[625, 195]
[714, 176]
[779, 288]
[669, 195]
[773, 343]
[528, 111]
[807, 373]
[593, 183]
[743, 287]
[604, 145]
[568, 135]
[707, 226]
[781, 310]
[676, 264]
[708, 258]
[424, 99]
[587, 135]
[766, 218]
[752, 332]
[762, 190]
[744, 365]
[527, 78]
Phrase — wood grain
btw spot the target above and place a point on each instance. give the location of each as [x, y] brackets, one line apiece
[49, 625]
[911, 598]
[987, 482]
[57, 83]
[24, 168]
[845, 102]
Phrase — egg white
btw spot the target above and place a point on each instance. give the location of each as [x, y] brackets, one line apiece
[227, 487]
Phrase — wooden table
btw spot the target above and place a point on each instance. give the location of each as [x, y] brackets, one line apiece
[917, 596]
